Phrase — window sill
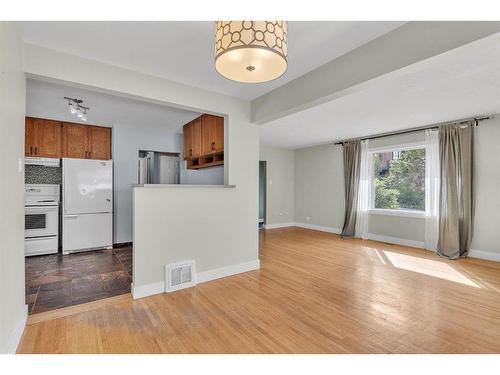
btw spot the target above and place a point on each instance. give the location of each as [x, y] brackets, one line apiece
[400, 213]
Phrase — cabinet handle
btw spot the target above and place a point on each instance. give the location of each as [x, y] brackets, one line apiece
[31, 150]
[90, 154]
[190, 152]
[36, 150]
[85, 154]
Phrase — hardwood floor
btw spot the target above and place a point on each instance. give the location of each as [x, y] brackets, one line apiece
[314, 293]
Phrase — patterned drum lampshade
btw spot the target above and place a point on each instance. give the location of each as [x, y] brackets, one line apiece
[251, 51]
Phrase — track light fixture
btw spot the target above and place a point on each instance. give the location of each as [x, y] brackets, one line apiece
[76, 107]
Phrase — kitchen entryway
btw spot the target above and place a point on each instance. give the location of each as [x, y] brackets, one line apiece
[55, 281]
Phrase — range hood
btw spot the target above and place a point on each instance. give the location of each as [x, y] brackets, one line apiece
[47, 162]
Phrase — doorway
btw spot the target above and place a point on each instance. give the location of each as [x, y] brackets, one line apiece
[262, 194]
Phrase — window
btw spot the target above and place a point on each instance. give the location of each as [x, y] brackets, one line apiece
[399, 179]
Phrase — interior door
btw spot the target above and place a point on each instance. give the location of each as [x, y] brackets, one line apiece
[87, 186]
[49, 138]
[100, 143]
[75, 140]
[30, 137]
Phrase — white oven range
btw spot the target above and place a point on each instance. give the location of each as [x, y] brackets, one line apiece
[41, 207]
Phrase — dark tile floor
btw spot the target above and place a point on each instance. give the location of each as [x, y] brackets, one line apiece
[55, 281]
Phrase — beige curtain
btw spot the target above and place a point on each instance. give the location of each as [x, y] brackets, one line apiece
[352, 168]
[456, 209]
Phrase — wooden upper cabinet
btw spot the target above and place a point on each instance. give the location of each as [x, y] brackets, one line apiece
[49, 138]
[187, 132]
[208, 134]
[42, 138]
[212, 134]
[99, 143]
[204, 142]
[53, 139]
[192, 139]
[75, 141]
[219, 134]
[30, 137]
[196, 138]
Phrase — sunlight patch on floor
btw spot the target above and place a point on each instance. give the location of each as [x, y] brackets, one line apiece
[373, 255]
[428, 267]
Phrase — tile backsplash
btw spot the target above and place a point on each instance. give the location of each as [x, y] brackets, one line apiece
[39, 174]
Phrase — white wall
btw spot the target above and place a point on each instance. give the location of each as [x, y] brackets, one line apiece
[280, 173]
[175, 224]
[13, 310]
[232, 213]
[487, 219]
[127, 141]
[319, 186]
[319, 191]
[206, 176]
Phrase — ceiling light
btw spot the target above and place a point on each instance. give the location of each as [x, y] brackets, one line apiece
[251, 51]
[76, 107]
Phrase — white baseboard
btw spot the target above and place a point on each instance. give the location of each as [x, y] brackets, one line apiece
[148, 289]
[487, 255]
[396, 240]
[279, 225]
[321, 228]
[234, 269]
[16, 333]
[201, 277]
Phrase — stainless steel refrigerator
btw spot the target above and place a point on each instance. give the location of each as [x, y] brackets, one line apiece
[158, 168]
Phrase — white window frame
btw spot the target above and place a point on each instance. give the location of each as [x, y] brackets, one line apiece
[390, 211]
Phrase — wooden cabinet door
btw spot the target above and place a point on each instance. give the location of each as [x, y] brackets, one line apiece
[75, 140]
[196, 138]
[99, 143]
[187, 132]
[30, 137]
[207, 134]
[219, 134]
[49, 138]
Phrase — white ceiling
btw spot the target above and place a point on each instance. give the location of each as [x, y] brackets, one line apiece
[447, 88]
[46, 100]
[183, 51]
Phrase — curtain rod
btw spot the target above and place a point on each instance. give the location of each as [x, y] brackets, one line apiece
[413, 130]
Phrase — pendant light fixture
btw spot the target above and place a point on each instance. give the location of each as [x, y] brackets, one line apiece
[251, 51]
[76, 108]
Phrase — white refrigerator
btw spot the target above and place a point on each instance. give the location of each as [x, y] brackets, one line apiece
[87, 215]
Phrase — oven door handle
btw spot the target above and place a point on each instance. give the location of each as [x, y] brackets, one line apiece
[30, 210]
[70, 216]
